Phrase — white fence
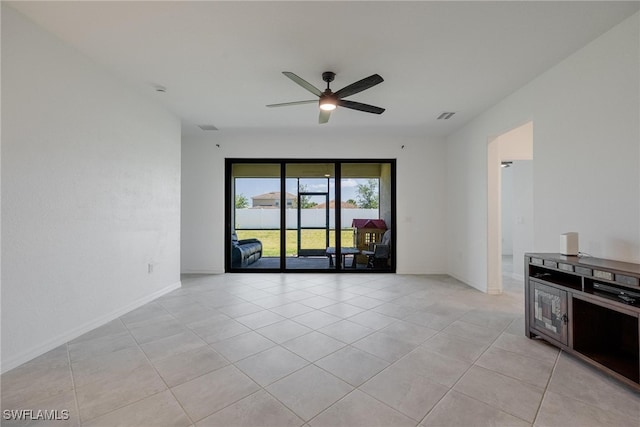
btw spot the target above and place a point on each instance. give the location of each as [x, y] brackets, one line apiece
[265, 219]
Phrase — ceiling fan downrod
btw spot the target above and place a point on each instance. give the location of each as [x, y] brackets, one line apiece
[328, 77]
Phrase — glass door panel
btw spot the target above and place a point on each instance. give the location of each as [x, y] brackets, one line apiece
[309, 221]
[366, 213]
[255, 216]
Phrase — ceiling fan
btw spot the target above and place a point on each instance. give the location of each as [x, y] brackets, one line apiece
[329, 100]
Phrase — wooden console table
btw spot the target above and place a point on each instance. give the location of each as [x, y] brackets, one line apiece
[589, 307]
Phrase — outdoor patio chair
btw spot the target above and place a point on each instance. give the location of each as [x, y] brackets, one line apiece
[244, 252]
[379, 253]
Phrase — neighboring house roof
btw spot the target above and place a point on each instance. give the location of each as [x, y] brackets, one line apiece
[332, 205]
[369, 223]
[274, 195]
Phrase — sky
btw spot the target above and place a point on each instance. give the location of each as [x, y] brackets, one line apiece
[251, 187]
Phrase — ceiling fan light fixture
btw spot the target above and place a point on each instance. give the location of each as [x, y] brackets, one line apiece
[327, 104]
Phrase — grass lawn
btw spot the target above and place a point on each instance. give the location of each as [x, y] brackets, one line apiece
[312, 239]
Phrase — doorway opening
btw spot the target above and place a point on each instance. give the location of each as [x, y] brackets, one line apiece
[510, 205]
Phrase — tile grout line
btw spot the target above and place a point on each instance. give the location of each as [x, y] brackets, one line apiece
[464, 373]
[546, 387]
[73, 384]
[391, 407]
[309, 363]
[128, 404]
[367, 394]
[261, 388]
[391, 363]
[157, 373]
[230, 363]
[288, 375]
[429, 379]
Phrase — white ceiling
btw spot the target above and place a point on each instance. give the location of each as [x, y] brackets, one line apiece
[221, 62]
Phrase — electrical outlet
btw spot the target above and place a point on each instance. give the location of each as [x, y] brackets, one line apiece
[150, 268]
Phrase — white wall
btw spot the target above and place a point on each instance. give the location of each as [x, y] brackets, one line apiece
[586, 151]
[506, 216]
[90, 194]
[521, 213]
[420, 187]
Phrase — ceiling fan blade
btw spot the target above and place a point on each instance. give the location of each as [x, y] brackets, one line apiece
[305, 84]
[359, 86]
[361, 107]
[324, 116]
[285, 104]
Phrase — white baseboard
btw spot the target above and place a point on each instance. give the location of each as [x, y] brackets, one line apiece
[63, 338]
[467, 282]
[420, 272]
[188, 271]
[494, 291]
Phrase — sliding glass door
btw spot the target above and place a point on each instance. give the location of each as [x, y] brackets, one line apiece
[310, 215]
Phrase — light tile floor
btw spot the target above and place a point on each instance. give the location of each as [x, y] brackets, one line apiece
[319, 350]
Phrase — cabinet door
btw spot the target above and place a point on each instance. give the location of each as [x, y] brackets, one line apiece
[548, 311]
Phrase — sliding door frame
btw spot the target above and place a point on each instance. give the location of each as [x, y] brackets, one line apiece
[339, 268]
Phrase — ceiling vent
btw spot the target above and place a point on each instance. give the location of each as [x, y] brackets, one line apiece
[445, 116]
[207, 127]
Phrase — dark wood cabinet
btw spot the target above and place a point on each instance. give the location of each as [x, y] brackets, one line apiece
[589, 307]
[548, 311]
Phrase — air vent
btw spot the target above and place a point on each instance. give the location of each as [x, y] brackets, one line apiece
[445, 116]
[207, 127]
